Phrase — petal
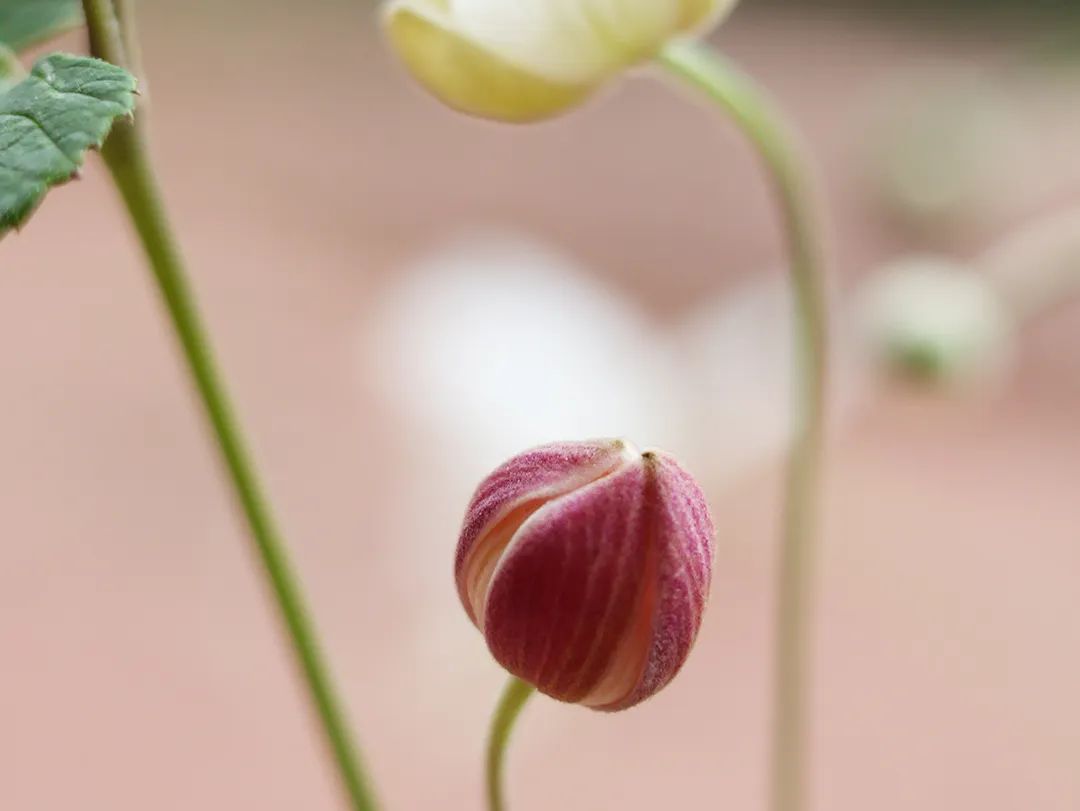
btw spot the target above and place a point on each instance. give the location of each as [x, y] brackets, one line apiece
[684, 535]
[570, 589]
[517, 489]
[466, 75]
[701, 15]
[569, 40]
[579, 40]
[532, 59]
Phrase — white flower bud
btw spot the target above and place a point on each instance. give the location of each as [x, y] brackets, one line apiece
[931, 319]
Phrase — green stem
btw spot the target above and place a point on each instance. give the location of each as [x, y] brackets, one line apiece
[127, 158]
[129, 38]
[707, 72]
[510, 705]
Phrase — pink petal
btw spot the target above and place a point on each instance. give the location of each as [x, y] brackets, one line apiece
[684, 535]
[599, 595]
[511, 494]
[571, 585]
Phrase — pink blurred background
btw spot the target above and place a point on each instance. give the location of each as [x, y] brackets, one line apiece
[403, 297]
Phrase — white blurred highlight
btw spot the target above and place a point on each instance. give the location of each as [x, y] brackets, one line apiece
[495, 344]
[498, 344]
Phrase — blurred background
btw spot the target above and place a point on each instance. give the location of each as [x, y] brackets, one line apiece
[403, 297]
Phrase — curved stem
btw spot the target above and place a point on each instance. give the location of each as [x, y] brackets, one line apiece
[127, 158]
[722, 83]
[510, 705]
[1038, 267]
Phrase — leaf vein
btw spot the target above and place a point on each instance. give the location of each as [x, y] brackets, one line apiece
[42, 130]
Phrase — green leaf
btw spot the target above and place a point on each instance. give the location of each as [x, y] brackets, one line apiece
[47, 122]
[27, 22]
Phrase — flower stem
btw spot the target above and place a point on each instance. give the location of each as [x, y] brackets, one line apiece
[513, 699]
[1037, 268]
[129, 39]
[126, 156]
[706, 71]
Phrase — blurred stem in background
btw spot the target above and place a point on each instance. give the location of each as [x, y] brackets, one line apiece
[125, 152]
[506, 714]
[1037, 268]
[695, 65]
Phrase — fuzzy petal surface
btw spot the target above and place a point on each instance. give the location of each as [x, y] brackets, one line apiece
[513, 492]
[596, 595]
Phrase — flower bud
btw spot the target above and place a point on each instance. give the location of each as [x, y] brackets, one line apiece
[587, 567]
[930, 319]
[525, 60]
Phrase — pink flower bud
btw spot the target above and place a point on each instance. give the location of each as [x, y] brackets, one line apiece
[587, 566]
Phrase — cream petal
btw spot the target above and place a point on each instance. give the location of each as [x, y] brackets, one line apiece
[531, 59]
[580, 40]
[568, 40]
[467, 76]
[701, 15]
